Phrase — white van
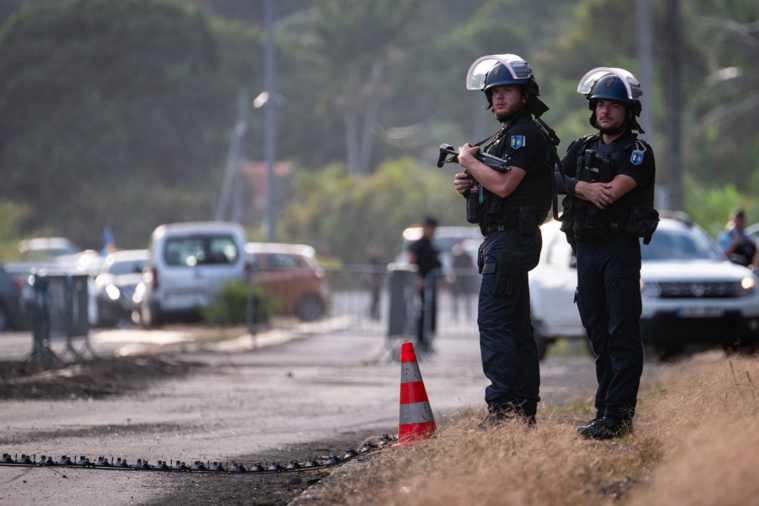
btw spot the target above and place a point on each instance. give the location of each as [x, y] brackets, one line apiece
[187, 264]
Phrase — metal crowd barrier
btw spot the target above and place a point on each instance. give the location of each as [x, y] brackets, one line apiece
[58, 311]
[368, 300]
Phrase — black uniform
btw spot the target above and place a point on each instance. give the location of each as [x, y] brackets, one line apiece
[607, 247]
[428, 263]
[512, 248]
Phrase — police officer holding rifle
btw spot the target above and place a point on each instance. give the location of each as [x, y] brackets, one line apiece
[508, 200]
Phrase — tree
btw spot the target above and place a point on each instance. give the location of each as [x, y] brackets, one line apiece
[342, 212]
[113, 113]
[726, 96]
[354, 43]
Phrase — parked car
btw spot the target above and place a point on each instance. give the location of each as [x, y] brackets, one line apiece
[290, 274]
[187, 264]
[692, 295]
[114, 287]
[46, 248]
[12, 310]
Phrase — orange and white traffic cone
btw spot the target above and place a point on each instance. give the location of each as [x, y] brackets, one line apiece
[416, 420]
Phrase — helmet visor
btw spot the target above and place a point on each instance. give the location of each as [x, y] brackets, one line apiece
[632, 86]
[475, 78]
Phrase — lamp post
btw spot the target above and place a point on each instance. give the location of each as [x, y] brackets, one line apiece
[270, 128]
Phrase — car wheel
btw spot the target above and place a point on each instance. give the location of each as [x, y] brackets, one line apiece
[310, 308]
[543, 344]
[542, 341]
[667, 352]
[3, 319]
[743, 346]
[149, 316]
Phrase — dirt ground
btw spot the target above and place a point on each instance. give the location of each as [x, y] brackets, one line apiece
[94, 379]
[115, 377]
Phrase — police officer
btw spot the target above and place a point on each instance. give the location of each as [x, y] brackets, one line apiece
[508, 205]
[609, 206]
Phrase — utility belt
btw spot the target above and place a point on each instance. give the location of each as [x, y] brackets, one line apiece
[523, 219]
[510, 270]
[639, 221]
[495, 228]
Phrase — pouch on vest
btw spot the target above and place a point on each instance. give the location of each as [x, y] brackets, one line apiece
[473, 206]
[642, 222]
[527, 220]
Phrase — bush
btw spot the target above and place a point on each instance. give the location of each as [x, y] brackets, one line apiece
[230, 305]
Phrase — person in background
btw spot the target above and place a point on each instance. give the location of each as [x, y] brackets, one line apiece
[425, 256]
[736, 245]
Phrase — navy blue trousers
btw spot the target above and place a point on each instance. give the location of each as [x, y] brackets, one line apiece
[507, 342]
[608, 298]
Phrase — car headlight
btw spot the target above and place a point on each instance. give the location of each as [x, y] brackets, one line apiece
[139, 293]
[112, 291]
[748, 283]
[650, 289]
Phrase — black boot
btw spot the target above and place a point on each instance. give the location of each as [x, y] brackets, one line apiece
[606, 428]
[582, 429]
[506, 409]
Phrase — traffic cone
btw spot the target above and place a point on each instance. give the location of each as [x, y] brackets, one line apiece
[416, 420]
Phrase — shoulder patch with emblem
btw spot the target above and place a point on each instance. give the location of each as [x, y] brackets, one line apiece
[517, 141]
[636, 158]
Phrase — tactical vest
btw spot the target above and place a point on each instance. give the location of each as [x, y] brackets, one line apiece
[633, 214]
[528, 205]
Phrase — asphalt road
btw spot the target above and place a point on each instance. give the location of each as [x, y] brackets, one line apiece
[252, 397]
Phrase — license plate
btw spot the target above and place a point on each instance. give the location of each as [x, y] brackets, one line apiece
[185, 300]
[700, 312]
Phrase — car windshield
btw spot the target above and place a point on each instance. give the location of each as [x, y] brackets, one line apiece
[681, 244]
[284, 261]
[192, 251]
[126, 267]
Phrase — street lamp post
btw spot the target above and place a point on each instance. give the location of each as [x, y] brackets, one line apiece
[270, 129]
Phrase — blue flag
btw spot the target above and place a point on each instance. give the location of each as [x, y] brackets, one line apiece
[109, 245]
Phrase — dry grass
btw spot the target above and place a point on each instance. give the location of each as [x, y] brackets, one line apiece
[696, 443]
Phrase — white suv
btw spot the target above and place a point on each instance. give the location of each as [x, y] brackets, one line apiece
[692, 295]
[187, 264]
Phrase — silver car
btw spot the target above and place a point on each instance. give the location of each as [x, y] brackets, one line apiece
[692, 295]
[187, 264]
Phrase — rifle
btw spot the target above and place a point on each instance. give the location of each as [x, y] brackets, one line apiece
[499, 164]
[475, 197]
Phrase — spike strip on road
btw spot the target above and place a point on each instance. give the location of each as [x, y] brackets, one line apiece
[198, 466]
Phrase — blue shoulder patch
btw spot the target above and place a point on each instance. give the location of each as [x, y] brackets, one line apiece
[517, 141]
[637, 157]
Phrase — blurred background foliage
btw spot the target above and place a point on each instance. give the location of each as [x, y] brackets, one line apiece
[120, 113]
